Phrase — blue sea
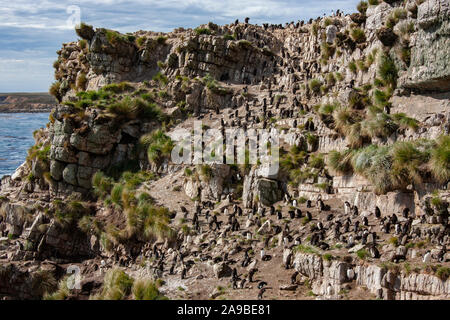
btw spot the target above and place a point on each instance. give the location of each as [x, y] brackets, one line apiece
[16, 137]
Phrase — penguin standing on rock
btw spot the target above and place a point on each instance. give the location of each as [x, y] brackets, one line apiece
[261, 293]
[427, 257]
[347, 207]
[377, 213]
[262, 284]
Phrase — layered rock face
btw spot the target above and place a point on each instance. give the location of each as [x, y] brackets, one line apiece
[430, 48]
[330, 279]
[95, 187]
[81, 147]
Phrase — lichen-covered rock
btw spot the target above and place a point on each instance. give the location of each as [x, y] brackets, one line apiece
[331, 31]
[429, 68]
[70, 174]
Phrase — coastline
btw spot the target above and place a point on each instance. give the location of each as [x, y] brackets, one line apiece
[27, 111]
[16, 137]
[25, 102]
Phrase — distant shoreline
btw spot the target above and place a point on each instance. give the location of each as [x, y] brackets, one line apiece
[26, 111]
[27, 102]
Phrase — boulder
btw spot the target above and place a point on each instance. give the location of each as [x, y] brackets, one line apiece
[331, 32]
[386, 36]
[70, 174]
[222, 270]
[265, 228]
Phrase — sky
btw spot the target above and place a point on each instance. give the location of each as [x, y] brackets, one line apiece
[32, 31]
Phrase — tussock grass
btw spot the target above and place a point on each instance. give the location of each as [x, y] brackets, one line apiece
[55, 90]
[130, 108]
[387, 71]
[358, 35]
[327, 50]
[144, 289]
[70, 213]
[202, 31]
[352, 67]
[62, 293]
[440, 159]
[101, 184]
[116, 285]
[84, 31]
[314, 85]
[362, 7]
[159, 146]
[340, 161]
[118, 87]
[213, 86]
[396, 166]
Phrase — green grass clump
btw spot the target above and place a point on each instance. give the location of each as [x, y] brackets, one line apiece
[331, 79]
[328, 108]
[352, 67]
[140, 41]
[327, 50]
[206, 171]
[387, 71]
[118, 87]
[378, 125]
[440, 159]
[340, 161]
[443, 273]
[55, 90]
[404, 122]
[161, 78]
[315, 28]
[392, 167]
[135, 108]
[305, 249]
[213, 86]
[381, 98]
[84, 31]
[201, 31]
[70, 213]
[396, 15]
[159, 146]
[81, 82]
[314, 85]
[116, 285]
[116, 38]
[362, 7]
[344, 117]
[146, 290]
[62, 293]
[316, 161]
[362, 254]
[161, 39]
[40, 152]
[361, 64]
[245, 44]
[228, 37]
[393, 241]
[358, 35]
[101, 184]
[327, 257]
[94, 95]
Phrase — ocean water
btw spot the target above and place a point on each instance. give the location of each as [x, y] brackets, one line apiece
[16, 137]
